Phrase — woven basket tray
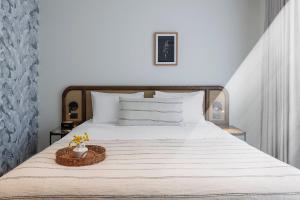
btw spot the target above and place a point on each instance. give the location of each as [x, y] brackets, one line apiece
[95, 155]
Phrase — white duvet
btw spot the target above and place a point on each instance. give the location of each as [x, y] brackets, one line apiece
[188, 131]
[197, 161]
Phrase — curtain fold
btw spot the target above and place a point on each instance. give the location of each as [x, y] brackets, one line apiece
[280, 80]
[294, 101]
[273, 7]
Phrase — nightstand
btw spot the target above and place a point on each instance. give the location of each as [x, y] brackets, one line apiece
[235, 131]
[58, 132]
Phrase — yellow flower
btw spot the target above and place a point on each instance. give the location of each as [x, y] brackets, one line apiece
[86, 137]
[77, 139]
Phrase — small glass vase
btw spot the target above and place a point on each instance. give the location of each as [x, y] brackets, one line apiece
[80, 151]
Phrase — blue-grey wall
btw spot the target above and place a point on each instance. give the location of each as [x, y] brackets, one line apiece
[18, 81]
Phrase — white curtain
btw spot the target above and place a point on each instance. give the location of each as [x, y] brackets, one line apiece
[273, 7]
[280, 128]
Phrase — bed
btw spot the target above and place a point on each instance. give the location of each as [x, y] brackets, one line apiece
[194, 161]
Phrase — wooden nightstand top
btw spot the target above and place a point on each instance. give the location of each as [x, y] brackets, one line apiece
[233, 130]
[58, 132]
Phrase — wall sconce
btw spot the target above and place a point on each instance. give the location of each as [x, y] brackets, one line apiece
[73, 107]
[218, 110]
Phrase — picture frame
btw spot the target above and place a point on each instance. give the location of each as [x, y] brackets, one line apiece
[165, 48]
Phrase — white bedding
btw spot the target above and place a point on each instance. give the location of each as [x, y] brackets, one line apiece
[188, 131]
[196, 161]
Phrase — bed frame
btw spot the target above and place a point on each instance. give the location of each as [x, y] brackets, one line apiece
[77, 104]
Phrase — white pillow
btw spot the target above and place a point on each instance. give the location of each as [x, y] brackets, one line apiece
[150, 112]
[106, 106]
[192, 104]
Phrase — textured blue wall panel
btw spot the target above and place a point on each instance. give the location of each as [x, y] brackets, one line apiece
[18, 81]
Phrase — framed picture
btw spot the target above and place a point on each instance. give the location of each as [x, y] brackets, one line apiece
[165, 48]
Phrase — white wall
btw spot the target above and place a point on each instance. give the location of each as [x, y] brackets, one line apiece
[109, 42]
[244, 88]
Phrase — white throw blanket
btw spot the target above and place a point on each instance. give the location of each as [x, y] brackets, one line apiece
[191, 162]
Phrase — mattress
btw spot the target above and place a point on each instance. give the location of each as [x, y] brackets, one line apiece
[196, 161]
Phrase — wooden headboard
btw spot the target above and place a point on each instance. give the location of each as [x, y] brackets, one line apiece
[216, 100]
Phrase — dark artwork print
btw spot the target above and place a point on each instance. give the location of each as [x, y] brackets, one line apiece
[18, 81]
[166, 49]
